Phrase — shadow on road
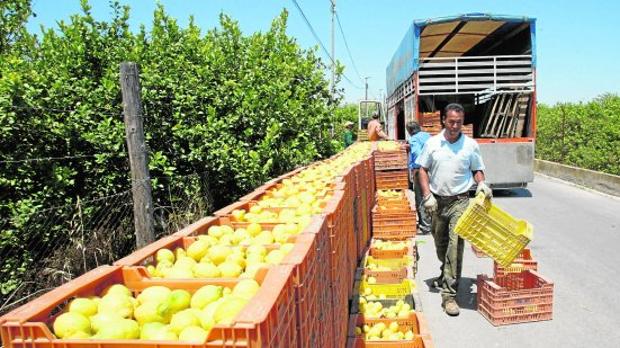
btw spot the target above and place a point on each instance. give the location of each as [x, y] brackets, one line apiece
[513, 193]
[466, 297]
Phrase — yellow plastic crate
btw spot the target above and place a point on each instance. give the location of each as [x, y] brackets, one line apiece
[399, 290]
[494, 231]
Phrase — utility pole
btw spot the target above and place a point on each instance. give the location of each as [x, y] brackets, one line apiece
[366, 83]
[138, 156]
[333, 47]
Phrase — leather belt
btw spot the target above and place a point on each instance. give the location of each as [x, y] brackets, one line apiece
[452, 198]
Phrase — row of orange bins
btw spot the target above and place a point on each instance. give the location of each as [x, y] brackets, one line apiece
[302, 301]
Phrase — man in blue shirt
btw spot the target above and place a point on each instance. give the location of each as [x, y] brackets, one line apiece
[417, 139]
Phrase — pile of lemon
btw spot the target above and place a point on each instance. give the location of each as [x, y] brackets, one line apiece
[157, 313]
[382, 331]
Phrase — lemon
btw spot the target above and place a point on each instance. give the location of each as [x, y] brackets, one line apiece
[148, 330]
[117, 289]
[205, 295]
[68, 324]
[157, 294]
[257, 249]
[185, 261]
[100, 320]
[164, 254]
[228, 309]
[219, 253]
[409, 335]
[275, 257]
[198, 249]
[206, 270]
[181, 272]
[179, 300]
[251, 269]
[246, 288]
[80, 335]
[116, 303]
[254, 229]
[264, 237]
[179, 252]
[123, 329]
[230, 269]
[253, 258]
[152, 312]
[183, 319]
[194, 334]
[238, 215]
[84, 306]
[215, 231]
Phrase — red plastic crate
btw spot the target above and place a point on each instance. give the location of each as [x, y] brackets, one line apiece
[530, 299]
[523, 262]
[272, 323]
[478, 252]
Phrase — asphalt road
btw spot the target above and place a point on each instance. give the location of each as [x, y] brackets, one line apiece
[577, 245]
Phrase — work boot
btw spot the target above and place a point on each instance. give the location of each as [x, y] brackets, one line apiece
[450, 306]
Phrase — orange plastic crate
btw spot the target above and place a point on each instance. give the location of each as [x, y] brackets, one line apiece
[392, 179]
[272, 323]
[387, 160]
[417, 342]
[416, 322]
[409, 249]
[304, 259]
[526, 300]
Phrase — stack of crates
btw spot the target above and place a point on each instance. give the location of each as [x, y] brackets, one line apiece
[517, 293]
[303, 300]
[391, 168]
[431, 122]
[385, 279]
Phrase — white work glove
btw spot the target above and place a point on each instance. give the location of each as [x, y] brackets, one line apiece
[430, 204]
[482, 187]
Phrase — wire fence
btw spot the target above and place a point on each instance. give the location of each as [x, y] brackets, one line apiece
[54, 245]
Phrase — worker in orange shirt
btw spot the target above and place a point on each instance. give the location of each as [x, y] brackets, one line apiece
[375, 131]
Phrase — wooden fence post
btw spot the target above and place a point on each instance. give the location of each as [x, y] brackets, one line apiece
[138, 154]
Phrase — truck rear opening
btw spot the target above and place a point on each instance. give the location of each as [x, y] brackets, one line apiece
[486, 63]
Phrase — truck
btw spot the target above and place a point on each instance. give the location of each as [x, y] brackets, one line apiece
[485, 62]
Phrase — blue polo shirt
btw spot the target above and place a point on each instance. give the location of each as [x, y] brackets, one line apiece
[449, 165]
[416, 143]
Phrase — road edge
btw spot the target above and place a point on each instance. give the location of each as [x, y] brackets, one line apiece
[603, 183]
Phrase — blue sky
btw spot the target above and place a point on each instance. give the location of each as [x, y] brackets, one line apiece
[578, 50]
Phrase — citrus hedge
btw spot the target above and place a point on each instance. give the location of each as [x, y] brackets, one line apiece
[585, 135]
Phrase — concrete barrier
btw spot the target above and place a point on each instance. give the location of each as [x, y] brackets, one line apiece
[602, 182]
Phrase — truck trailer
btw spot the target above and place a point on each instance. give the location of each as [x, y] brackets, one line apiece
[485, 62]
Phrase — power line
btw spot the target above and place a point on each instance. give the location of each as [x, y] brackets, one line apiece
[346, 45]
[316, 37]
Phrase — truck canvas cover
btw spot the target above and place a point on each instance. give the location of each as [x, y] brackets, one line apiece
[453, 36]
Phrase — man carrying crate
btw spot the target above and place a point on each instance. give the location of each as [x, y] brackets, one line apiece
[450, 163]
